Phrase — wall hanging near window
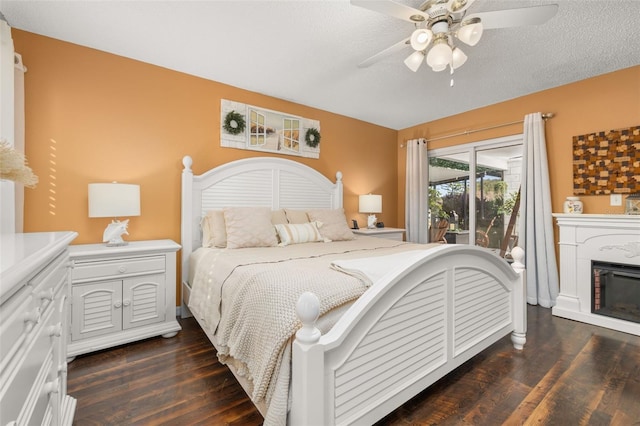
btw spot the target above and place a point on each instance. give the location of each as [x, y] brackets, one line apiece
[607, 162]
[245, 126]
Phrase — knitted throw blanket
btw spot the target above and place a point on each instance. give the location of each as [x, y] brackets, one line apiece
[247, 298]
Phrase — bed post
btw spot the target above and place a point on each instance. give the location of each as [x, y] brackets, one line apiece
[186, 231]
[307, 375]
[519, 334]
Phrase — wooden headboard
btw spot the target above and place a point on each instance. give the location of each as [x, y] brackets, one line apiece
[261, 181]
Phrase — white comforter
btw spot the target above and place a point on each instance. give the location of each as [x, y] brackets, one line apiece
[246, 298]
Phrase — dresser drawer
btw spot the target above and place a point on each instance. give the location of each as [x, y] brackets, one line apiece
[32, 365]
[17, 319]
[91, 270]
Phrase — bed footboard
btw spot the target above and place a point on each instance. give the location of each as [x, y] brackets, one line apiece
[407, 331]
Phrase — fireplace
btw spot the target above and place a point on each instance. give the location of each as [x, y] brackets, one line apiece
[615, 290]
[612, 243]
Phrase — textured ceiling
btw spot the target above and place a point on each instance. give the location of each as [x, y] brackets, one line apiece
[307, 51]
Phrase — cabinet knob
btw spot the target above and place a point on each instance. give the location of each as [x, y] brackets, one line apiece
[122, 269]
[51, 387]
[32, 318]
[46, 294]
[126, 302]
[117, 304]
[55, 330]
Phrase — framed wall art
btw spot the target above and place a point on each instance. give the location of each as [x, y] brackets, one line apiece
[250, 127]
[607, 162]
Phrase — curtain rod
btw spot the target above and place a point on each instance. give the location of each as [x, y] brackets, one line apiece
[545, 116]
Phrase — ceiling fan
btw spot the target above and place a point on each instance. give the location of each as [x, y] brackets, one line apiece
[441, 23]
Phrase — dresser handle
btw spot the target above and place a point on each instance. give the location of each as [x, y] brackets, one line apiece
[55, 330]
[122, 269]
[46, 294]
[51, 387]
[32, 318]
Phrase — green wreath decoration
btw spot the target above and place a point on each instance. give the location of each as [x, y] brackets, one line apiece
[312, 137]
[234, 123]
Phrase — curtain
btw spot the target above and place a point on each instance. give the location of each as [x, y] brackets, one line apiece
[416, 188]
[537, 223]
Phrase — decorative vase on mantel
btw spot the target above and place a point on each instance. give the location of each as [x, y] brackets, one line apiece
[573, 205]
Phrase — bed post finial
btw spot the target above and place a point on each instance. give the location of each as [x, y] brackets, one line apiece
[187, 162]
[308, 309]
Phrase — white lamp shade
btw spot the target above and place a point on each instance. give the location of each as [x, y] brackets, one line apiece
[414, 61]
[471, 32]
[439, 56]
[370, 203]
[459, 58]
[114, 200]
[421, 38]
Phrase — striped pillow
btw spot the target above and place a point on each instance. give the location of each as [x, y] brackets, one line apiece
[298, 233]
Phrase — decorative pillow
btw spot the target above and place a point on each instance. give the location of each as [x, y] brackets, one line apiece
[296, 216]
[249, 227]
[296, 233]
[278, 216]
[214, 232]
[334, 224]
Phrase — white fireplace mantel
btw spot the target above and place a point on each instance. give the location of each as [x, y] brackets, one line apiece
[588, 237]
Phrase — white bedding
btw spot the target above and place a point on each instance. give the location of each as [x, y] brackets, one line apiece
[246, 299]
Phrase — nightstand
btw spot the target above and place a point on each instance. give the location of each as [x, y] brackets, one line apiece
[388, 233]
[121, 294]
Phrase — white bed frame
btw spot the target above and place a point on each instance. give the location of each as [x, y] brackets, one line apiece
[407, 331]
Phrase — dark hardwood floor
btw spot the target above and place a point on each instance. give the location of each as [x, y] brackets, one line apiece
[569, 373]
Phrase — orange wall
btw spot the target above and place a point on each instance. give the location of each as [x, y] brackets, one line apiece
[610, 101]
[96, 117]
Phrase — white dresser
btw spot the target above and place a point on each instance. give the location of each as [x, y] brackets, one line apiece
[34, 290]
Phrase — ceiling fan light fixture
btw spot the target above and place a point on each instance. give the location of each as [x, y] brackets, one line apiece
[470, 31]
[414, 60]
[458, 58]
[440, 55]
[457, 6]
[421, 38]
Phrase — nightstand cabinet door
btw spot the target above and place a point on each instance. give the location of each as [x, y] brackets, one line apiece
[143, 301]
[96, 309]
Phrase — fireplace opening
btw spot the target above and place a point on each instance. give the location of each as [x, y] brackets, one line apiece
[615, 290]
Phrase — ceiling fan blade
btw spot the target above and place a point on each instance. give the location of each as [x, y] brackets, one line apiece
[515, 17]
[391, 8]
[386, 52]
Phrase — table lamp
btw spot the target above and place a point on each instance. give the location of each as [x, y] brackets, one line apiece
[114, 200]
[370, 204]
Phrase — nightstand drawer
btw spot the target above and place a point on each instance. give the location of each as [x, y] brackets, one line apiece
[91, 270]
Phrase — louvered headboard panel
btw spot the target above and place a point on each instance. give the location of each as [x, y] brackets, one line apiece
[261, 181]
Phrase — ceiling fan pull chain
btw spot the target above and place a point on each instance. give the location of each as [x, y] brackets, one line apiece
[451, 68]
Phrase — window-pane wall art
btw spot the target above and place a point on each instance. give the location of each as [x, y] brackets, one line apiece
[245, 126]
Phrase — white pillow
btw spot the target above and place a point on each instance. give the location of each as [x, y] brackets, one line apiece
[296, 233]
[214, 232]
[334, 224]
[249, 227]
[296, 216]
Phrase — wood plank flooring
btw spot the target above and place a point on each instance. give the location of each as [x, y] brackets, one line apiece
[569, 373]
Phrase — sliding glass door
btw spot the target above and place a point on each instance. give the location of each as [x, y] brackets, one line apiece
[474, 193]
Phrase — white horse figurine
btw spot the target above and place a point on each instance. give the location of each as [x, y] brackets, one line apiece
[113, 234]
